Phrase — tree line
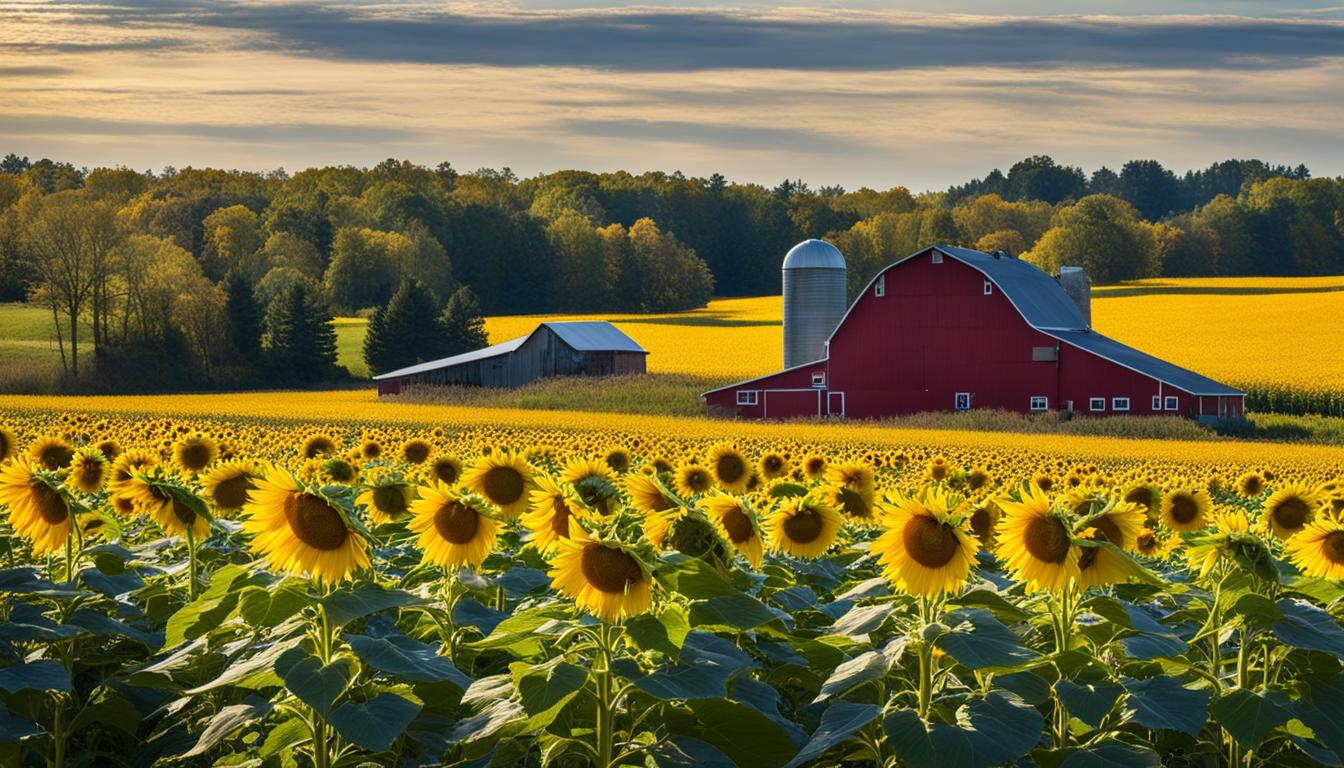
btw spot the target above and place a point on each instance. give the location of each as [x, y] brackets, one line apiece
[134, 261]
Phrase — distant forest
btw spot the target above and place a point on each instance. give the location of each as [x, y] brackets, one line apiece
[348, 238]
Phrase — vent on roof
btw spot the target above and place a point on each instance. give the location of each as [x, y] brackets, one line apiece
[1001, 254]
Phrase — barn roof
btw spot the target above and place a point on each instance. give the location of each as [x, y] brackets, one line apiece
[1144, 363]
[1036, 294]
[582, 335]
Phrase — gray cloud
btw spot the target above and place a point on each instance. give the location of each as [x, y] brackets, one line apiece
[324, 133]
[719, 136]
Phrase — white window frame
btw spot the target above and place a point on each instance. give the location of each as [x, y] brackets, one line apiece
[819, 379]
[1040, 403]
[748, 397]
[989, 288]
[956, 398]
[1092, 403]
[880, 287]
[1116, 404]
[1172, 403]
[1157, 402]
[937, 257]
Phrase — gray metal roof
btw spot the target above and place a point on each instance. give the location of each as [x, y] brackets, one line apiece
[1144, 363]
[582, 335]
[1035, 294]
[593, 336]
[814, 254]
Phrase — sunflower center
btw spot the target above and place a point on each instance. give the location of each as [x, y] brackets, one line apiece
[416, 452]
[50, 505]
[389, 500]
[1046, 539]
[1291, 513]
[1147, 541]
[853, 502]
[503, 485]
[697, 480]
[977, 479]
[938, 471]
[981, 523]
[340, 471]
[738, 525]
[929, 542]
[1332, 547]
[456, 522]
[183, 513]
[315, 522]
[1140, 496]
[195, 456]
[730, 467]
[609, 569]
[772, 463]
[560, 518]
[1107, 530]
[318, 446]
[446, 471]
[232, 493]
[55, 456]
[1184, 509]
[804, 527]
[816, 466]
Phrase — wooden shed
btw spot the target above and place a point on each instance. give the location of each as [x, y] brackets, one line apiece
[580, 348]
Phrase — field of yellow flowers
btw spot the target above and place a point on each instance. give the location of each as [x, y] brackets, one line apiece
[295, 580]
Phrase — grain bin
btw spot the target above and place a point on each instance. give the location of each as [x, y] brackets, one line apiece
[814, 299]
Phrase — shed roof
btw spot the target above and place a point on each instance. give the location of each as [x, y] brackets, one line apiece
[582, 335]
[1152, 367]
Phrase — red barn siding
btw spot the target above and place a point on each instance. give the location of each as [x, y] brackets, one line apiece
[786, 394]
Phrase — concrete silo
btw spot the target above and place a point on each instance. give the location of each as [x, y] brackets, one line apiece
[815, 299]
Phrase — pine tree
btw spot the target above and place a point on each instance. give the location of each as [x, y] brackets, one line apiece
[244, 313]
[300, 342]
[462, 322]
[405, 332]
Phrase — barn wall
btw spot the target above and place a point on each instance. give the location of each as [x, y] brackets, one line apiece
[788, 394]
[1086, 376]
[933, 334]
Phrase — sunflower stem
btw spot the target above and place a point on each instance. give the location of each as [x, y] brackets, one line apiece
[322, 757]
[925, 659]
[192, 583]
[605, 733]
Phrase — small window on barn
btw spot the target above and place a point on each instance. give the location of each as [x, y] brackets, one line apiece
[1173, 402]
[1157, 402]
[880, 287]
[1039, 402]
[989, 288]
[937, 257]
[1096, 404]
[819, 379]
[1119, 403]
[747, 397]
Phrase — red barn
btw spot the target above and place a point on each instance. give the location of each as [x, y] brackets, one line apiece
[953, 329]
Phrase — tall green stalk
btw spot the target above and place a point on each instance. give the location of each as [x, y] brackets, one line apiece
[193, 578]
[606, 718]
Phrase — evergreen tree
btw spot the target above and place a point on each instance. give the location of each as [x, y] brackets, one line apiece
[300, 342]
[244, 313]
[462, 323]
[405, 332]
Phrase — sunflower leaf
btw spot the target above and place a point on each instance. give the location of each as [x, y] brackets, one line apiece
[346, 605]
[1306, 626]
[376, 723]
[1112, 754]
[1163, 702]
[841, 720]
[315, 684]
[1250, 715]
[978, 640]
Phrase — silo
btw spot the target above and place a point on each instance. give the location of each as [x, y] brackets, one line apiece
[814, 299]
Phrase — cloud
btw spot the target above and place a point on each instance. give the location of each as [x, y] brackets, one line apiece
[27, 125]
[721, 136]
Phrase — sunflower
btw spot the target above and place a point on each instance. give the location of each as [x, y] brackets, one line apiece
[193, 454]
[660, 466]
[453, 526]
[1289, 509]
[553, 511]
[51, 453]
[984, 521]
[772, 465]
[607, 578]
[978, 478]
[300, 531]
[1151, 544]
[37, 510]
[338, 471]
[445, 469]
[730, 469]
[168, 510]
[504, 479]
[1186, 509]
[693, 480]
[370, 448]
[1043, 481]
[111, 449]
[814, 466]
[1146, 495]
[1034, 542]
[415, 451]
[317, 444]
[1318, 549]
[803, 526]
[386, 499]
[1231, 527]
[1251, 484]
[592, 480]
[9, 446]
[88, 470]
[1119, 525]
[938, 469]
[852, 489]
[619, 460]
[928, 546]
[127, 464]
[736, 523]
[227, 485]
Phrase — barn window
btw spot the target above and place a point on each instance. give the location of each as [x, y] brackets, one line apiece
[1096, 404]
[819, 379]
[1173, 402]
[989, 287]
[1120, 403]
[962, 402]
[1039, 402]
[880, 287]
[747, 396]
[937, 257]
[1157, 402]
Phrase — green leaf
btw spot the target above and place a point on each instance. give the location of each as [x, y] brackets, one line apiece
[859, 620]
[1320, 710]
[198, 617]
[863, 668]
[694, 578]
[993, 602]
[347, 605]
[989, 731]
[737, 611]
[253, 672]
[663, 633]
[1249, 716]
[1307, 626]
[1112, 754]
[685, 682]
[374, 724]
[686, 752]
[14, 728]
[282, 737]
[267, 608]
[743, 733]
[1163, 703]
[518, 633]
[35, 676]
[781, 490]
[1257, 610]
[840, 721]
[225, 722]
[978, 640]
[1089, 701]
[408, 659]
[316, 685]
[545, 689]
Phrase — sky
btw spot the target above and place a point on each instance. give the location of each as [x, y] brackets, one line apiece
[849, 92]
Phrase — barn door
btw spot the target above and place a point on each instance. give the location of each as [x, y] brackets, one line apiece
[835, 403]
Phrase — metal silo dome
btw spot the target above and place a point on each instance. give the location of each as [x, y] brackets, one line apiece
[815, 299]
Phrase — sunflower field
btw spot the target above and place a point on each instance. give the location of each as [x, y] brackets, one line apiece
[259, 591]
